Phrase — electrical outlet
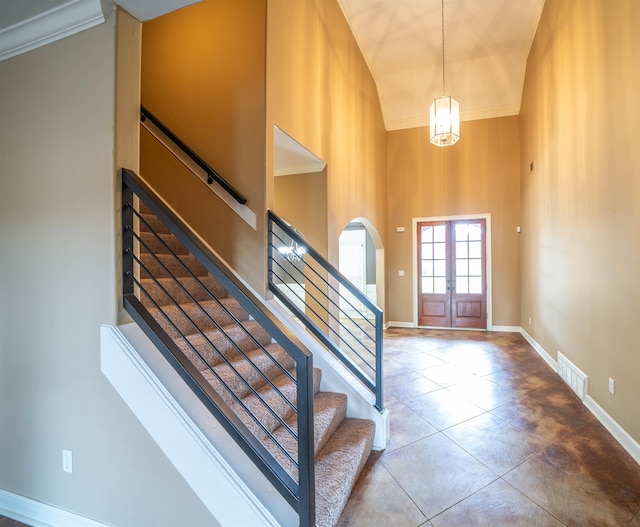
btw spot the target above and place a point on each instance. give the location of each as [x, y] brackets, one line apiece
[67, 461]
[612, 386]
[529, 320]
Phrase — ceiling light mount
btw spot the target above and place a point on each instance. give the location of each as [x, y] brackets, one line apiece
[444, 113]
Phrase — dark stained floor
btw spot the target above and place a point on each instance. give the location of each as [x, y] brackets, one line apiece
[7, 522]
[485, 433]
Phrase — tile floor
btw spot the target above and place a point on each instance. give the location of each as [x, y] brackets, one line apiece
[484, 433]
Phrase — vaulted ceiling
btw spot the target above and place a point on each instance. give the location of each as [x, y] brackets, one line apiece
[486, 46]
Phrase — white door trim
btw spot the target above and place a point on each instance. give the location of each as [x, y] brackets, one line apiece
[414, 242]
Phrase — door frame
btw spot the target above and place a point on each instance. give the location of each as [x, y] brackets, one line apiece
[414, 243]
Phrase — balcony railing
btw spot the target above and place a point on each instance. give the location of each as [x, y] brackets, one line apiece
[336, 312]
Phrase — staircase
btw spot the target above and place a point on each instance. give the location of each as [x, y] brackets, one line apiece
[251, 373]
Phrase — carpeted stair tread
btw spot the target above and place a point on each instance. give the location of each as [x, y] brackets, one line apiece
[148, 220]
[166, 290]
[212, 344]
[187, 319]
[329, 411]
[277, 402]
[243, 374]
[160, 265]
[162, 243]
[338, 466]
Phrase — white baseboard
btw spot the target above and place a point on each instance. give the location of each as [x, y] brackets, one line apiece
[506, 329]
[621, 435]
[397, 324]
[540, 350]
[39, 514]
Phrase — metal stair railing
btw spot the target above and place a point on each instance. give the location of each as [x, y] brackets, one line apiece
[291, 473]
[336, 312]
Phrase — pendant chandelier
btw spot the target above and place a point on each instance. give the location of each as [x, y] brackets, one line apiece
[444, 113]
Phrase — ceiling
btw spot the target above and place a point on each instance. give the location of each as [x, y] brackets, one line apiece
[486, 46]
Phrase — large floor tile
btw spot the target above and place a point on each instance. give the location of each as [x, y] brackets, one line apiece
[436, 473]
[443, 408]
[496, 443]
[579, 494]
[378, 499]
[406, 427]
[484, 393]
[496, 505]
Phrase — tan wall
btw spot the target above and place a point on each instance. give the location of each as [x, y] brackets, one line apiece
[320, 92]
[58, 285]
[478, 175]
[301, 199]
[203, 75]
[580, 242]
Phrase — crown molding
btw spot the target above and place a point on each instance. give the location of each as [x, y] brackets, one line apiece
[57, 23]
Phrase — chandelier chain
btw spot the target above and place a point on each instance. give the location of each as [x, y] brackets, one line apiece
[443, 82]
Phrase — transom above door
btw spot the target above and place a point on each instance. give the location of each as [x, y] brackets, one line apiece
[452, 278]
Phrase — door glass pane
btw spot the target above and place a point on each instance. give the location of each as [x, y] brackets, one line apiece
[462, 284]
[475, 250]
[440, 268]
[427, 251]
[427, 234]
[462, 267]
[461, 232]
[475, 267]
[462, 250]
[439, 233]
[475, 232]
[439, 251]
[427, 267]
[440, 285]
[475, 285]
[427, 285]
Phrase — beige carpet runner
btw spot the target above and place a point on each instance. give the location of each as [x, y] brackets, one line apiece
[253, 360]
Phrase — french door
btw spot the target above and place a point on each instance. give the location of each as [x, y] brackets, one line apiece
[452, 284]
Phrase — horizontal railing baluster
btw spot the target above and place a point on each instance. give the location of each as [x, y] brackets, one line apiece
[326, 304]
[279, 407]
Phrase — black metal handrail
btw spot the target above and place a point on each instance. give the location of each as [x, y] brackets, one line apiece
[327, 303]
[212, 175]
[291, 473]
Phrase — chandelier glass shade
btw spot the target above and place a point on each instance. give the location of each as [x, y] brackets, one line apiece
[444, 113]
[444, 121]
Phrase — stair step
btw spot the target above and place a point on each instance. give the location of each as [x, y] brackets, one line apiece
[183, 266]
[181, 291]
[187, 319]
[214, 343]
[329, 411]
[338, 466]
[148, 221]
[253, 375]
[161, 243]
[276, 401]
[244, 374]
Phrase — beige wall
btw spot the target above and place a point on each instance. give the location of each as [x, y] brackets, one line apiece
[203, 75]
[320, 92]
[58, 285]
[301, 199]
[478, 175]
[580, 241]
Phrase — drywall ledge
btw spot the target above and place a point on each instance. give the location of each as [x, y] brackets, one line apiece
[220, 474]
